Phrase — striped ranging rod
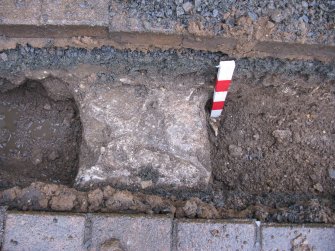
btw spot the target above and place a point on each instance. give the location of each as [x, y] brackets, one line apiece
[225, 74]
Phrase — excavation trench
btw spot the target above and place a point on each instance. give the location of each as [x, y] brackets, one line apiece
[144, 126]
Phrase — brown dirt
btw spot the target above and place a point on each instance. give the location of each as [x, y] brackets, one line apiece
[277, 134]
[39, 137]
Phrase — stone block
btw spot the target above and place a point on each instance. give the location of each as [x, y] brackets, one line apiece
[295, 237]
[131, 232]
[215, 235]
[43, 232]
[139, 134]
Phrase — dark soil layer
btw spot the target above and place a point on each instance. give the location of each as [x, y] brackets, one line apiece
[39, 137]
[277, 134]
[272, 158]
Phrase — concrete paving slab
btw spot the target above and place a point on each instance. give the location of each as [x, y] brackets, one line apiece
[26, 12]
[132, 232]
[293, 237]
[40, 231]
[215, 235]
[70, 12]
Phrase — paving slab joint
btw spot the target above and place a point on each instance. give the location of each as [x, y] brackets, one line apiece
[258, 236]
[3, 211]
[87, 242]
[174, 234]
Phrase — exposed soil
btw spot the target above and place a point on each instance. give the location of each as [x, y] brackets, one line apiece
[52, 197]
[272, 158]
[39, 137]
[277, 134]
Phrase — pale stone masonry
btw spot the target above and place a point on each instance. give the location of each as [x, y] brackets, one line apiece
[57, 231]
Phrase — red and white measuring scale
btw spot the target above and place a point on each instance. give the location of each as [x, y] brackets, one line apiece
[225, 74]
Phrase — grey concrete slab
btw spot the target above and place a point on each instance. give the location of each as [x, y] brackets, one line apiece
[73, 12]
[294, 237]
[215, 235]
[132, 232]
[38, 231]
[26, 12]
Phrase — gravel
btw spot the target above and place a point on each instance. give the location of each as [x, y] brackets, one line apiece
[220, 16]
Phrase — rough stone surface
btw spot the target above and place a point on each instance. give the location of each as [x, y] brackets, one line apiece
[156, 137]
[215, 235]
[290, 237]
[26, 12]
[69, 12]
[132, 232]
[43, 232]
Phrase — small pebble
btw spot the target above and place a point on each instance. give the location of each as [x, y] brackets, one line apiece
[4, 56]
[197, 3]
[305, 18]
[47, 107]
[146, 183]
[37, 160]
[318, 187]
[304, 4]
[331, 172]
[187, 7]
[270, 25]
[235, 151]
[252, 15]
[179, 11]
[282, 135]
[277, 16]
[256, 136]
[53, 155]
